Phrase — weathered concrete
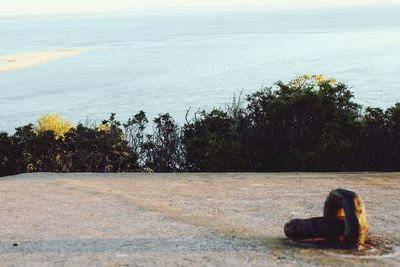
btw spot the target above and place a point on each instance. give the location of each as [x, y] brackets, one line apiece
[186, 219]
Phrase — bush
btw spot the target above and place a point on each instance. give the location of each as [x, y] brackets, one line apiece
[55, 124]
[163, 149]
[90, 150]
[80, 149]
[8, 155]
[134, 134]
[308, 124]
[99, 149]
[213, 143]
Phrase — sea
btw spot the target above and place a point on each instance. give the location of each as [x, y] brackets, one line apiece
[194, 60]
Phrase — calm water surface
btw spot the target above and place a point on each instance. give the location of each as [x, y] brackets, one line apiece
[168, 63]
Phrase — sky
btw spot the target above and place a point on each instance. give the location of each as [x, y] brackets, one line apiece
[54, 7]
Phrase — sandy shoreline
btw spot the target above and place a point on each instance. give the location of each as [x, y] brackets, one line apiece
[185, 219]
[27, 60]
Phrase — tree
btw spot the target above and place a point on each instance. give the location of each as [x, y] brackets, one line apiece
[164, 151]
[213, 142]
[308, 124]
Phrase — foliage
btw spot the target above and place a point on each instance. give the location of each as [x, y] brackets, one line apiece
[134, 133]
[80, 149]
[54, 123]
[308, 124]
[163, 149]
[90, 150]
[213, 143]
[8, 157]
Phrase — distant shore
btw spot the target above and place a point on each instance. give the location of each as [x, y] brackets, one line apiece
[27, 60]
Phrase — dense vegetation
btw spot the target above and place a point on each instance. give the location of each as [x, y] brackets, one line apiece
[308, 124]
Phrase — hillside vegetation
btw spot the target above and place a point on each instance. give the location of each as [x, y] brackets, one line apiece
[308, 124]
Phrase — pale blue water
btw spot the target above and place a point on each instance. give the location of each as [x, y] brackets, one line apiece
[168, 63]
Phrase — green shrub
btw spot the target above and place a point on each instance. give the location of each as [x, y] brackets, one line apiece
[307, 124]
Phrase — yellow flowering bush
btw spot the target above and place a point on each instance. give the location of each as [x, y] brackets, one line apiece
[103, 128]
[312, 80]
[53, 122]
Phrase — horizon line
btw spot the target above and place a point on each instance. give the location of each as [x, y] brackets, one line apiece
[182, 11]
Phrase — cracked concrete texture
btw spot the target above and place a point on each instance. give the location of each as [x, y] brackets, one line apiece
[185, 219]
